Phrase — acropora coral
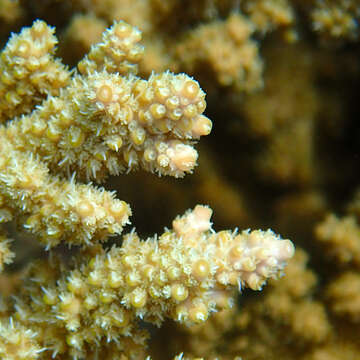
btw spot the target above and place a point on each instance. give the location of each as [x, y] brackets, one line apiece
[89, 115]
[85, 124]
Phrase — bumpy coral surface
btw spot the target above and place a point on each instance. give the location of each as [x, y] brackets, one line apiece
[281, 79]
[85, 124]
[95, 306]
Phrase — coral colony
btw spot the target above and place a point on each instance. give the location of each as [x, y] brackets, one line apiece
[62, 127]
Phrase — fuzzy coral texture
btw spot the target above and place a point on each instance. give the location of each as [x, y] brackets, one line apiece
[108, 95]
[103, 119]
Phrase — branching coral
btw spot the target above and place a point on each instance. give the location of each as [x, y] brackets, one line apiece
[281, 78]
[284, 116]
[98, 120]
[300, 323]
[100, 123]
[226, 49]
[94, 305]
[336, 18]
[29, 72]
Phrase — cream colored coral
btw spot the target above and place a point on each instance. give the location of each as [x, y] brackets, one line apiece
[285, 116]
[17, 342]
[56, 209]
[226, 50]
[289, 156]
[29, 72]
[138, 13]
[337, 19]
[290, 303]
[106, 120]
[268, 15]
[104, 123]
[6, 255]
[11, 14]
[282, 321]
[118, 52]
[107, 124]
[344, 295]
[343, 349]
[341, 238]
[10, 11]
[99, 123]
[179, 275]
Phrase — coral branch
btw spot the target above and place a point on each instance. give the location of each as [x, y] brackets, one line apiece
[119, 52]
[56, 209]
[29, 71]
[104, 123]
[180, 275]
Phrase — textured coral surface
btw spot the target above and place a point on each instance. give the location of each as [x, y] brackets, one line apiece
[89, 109]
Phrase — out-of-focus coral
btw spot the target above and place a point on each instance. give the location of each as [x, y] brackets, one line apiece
[159, 52]
[344, 295]
[230, 204]
[269, 15]
[225, 50]
[284, 116]
[337, 19]
[82, 32]
[11, 15]
[281, 104]
[339, 350]
[136, 12]
[300, 210]
[287, 159]
[340, 238]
